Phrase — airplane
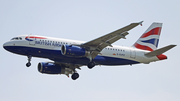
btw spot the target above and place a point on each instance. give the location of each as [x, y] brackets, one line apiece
[69, 55]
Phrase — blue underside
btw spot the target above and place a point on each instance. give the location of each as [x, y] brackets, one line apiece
[56, 55]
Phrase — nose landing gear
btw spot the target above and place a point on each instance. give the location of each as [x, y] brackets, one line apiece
[29, 61]
[28, 64]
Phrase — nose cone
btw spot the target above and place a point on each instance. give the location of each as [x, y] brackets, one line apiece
[7, 46]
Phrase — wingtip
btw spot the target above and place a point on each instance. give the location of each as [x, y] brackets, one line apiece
[141, 23]
[173, 45]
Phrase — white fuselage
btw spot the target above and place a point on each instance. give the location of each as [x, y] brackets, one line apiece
[36, 45]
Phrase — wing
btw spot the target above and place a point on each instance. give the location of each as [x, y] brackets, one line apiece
[95, 46]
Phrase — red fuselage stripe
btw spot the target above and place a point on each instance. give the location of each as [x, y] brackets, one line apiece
[35, 37]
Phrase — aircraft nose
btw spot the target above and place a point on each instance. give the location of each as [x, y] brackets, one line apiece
[6, 45]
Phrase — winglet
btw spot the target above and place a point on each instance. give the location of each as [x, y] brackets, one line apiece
[141, 23]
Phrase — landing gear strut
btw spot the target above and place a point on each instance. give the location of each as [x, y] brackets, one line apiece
[29, 61]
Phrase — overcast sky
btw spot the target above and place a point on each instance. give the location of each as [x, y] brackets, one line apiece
[86, 20]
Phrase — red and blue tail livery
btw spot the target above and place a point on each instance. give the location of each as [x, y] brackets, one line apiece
[70, 55]
[150, 39]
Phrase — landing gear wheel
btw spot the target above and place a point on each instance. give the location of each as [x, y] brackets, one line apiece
[75, 76]
[28, 64]
[91, 65]
[29, 61]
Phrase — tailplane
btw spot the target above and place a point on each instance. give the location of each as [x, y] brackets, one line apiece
[150, 39]
[159, 51]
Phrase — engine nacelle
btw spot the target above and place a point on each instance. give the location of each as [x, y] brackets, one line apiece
[50, 68]
[75, 51]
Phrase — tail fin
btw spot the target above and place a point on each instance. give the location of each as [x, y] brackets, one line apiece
[149, 40]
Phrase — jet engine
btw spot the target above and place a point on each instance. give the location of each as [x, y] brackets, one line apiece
[75, 51]
[51, 68]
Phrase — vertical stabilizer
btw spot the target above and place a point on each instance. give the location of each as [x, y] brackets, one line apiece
[149, 40]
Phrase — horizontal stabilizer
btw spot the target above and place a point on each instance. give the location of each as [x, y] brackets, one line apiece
[159, 51]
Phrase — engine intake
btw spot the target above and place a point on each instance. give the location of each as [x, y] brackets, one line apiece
[70, 50]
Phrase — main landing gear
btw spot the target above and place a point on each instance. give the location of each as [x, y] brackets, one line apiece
[29, 61]
[75, 76]
[91, 64]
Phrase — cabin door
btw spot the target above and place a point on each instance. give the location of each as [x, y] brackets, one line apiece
[32, 40]
[133, 53]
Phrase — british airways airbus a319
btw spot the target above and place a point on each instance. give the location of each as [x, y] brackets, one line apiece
[69, 55]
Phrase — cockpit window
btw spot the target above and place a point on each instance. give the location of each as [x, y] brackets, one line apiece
[16, 38]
